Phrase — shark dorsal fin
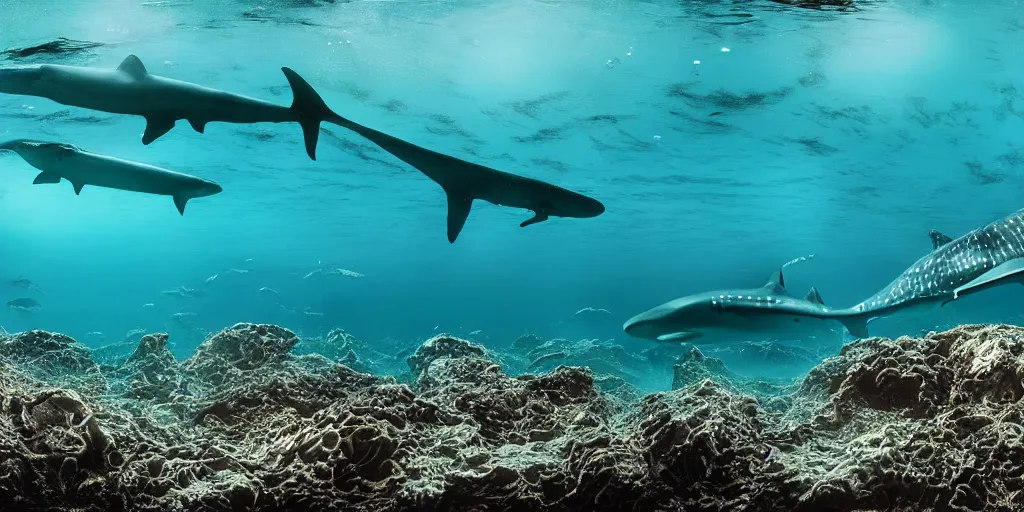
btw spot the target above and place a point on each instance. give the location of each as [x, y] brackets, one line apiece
[814, 296]
[776, 282]
[938, 239]
[133, 66]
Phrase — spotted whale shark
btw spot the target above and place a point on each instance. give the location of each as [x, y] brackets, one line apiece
[989, 256]
[723, 315]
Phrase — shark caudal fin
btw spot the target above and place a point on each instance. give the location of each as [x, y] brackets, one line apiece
[310, 110]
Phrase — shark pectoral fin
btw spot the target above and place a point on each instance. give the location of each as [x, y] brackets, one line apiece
[180, 202]
[46, 178]
[537, 217]
[679, 336]
[458, 211]
[1008, 272]
[856, 325]
[156, 127]
[199, 126]
[133, 66]
[78, 187]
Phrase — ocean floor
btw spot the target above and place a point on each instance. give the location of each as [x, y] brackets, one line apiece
[258, 419]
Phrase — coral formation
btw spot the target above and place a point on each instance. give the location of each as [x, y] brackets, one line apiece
[250, 421]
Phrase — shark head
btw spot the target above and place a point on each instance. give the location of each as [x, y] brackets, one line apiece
[572, 204]
[20, 79]
[769, 309]
[38, 152]
[203, 188]
[677, 320]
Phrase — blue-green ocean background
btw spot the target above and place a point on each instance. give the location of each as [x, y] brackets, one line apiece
[847, 135]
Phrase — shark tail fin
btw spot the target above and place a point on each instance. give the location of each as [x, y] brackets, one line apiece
[310, 110]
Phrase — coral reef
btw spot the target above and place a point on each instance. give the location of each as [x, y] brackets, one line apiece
[253, 421]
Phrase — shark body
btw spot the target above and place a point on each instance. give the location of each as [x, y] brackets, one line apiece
[989, 256]
[729, 314]
[132, 90]
[463, 182]
[66, 161]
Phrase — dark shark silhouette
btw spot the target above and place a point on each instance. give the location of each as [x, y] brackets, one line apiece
[131, 89]
[464, 181]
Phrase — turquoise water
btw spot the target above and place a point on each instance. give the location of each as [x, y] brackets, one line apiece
[844, 135]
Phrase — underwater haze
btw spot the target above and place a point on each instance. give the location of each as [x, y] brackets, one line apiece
[724, 139]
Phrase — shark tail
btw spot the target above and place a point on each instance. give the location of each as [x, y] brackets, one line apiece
[310, 110]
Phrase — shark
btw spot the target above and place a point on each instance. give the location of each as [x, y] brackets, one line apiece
[725, 314]
[131, 89]
[59, 160]
[984, 258]
[463, 182]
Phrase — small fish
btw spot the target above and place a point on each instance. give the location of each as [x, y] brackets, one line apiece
[191, 292]
[138, 331]
[237, 271]
[798, 260]
[212, 278]
[148, 305]
[24, 303]
[313, 273]
[268, 291]
[589, 310]
[715, 114]
[94, 334]
[25, 284]
[184, 319]
[477, 332]
[3, 330]
[248, 260]
[344, 272]
[311, 313]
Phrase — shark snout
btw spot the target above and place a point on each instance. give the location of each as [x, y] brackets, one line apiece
[210, 188]
[203, 188]
[640, 326]
[592, 208]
